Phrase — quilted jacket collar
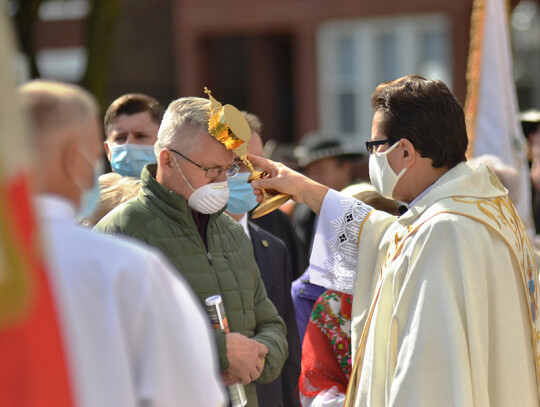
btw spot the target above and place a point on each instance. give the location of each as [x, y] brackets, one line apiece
[166, 203]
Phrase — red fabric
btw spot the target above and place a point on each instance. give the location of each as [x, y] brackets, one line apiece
[320, 368]
[32, 366]
[346, 306]
[326, 347]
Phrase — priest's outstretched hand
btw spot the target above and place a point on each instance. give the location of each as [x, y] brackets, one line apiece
[282, 179]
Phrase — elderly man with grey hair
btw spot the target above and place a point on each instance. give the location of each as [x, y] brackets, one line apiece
[121, 309]
[180, 210]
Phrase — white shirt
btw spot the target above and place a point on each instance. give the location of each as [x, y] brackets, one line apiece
[244, 223]
[134, 333]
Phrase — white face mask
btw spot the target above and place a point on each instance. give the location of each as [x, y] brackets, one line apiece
[382, 176]
[209, 198]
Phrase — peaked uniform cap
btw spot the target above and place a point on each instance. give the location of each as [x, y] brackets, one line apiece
[316, 146]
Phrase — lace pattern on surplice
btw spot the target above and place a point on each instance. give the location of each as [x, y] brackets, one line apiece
[343, 246]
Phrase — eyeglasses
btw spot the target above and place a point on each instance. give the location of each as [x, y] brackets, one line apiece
[373, 144]
[213, 172]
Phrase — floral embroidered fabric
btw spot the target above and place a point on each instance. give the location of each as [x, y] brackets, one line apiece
[332, 315]
[326, 352]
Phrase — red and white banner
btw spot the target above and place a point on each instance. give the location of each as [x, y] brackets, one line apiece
[32, 366]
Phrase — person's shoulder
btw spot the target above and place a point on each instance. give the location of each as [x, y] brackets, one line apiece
[103, 255]
[266, 238]
[225, 219]
[125, 218]
[227, 223]
[118, 245]
[454, 225]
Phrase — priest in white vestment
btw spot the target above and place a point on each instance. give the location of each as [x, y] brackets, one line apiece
[133, 333]
[445, 296]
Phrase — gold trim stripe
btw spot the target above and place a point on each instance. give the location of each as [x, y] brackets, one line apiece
[362, 226]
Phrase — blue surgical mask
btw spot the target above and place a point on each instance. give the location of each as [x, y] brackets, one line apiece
[241, 197]
[90, 197]
[129, 159]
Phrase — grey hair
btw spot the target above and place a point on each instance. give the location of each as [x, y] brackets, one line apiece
[184, 120]
[254, 122]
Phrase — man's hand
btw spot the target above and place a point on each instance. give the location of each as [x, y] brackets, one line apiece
[246, 359]
[229, 378]
[282, 179]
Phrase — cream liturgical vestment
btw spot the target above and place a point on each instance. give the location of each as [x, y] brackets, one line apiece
[133, 332]
[445, 296]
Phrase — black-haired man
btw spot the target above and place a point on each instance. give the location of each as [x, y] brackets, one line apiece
[445, 296]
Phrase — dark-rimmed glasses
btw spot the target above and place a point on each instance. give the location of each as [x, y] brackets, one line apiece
[212, 172]
[373, 144]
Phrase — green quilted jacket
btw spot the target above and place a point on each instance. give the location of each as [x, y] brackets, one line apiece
[163, 219]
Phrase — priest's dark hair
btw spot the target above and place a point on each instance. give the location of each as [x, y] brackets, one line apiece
[427, 114]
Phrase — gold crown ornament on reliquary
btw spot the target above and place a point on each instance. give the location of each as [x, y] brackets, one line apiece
[229, 126]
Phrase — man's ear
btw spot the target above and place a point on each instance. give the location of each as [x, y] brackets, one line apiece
[107, 150]
[69, 159]
[409, 152]
[165, 163]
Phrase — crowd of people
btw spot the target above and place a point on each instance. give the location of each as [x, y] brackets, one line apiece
[413, 283]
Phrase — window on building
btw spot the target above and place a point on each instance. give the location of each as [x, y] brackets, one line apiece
[63, 63]
[354, 56]
[525, 32]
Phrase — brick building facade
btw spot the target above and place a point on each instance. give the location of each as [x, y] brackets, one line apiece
[300, 65]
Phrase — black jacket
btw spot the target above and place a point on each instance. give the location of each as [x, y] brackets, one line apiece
[279, 224]
[273, 260]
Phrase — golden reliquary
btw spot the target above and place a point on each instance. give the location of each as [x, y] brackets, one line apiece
[229, 126]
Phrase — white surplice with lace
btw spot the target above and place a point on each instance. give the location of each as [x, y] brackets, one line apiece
[451, 324]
